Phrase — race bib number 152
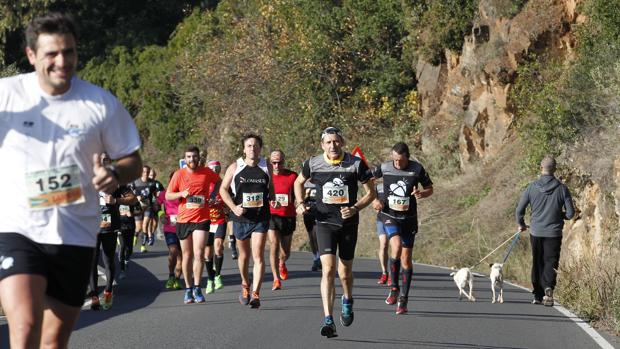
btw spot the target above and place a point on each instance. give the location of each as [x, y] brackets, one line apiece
[59, 186]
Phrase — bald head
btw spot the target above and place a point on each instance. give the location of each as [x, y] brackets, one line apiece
[548, 165]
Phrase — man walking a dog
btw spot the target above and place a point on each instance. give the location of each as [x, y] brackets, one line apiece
[551, 204]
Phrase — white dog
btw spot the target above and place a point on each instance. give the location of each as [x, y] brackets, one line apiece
[462, 278]
[497, 280]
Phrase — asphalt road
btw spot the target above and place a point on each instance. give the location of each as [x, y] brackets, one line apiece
[145, 315]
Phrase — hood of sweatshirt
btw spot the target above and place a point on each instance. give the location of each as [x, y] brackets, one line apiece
[546, 184]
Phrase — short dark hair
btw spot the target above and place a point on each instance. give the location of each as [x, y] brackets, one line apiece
[146, 166]
[51, 23]
[192, 149]
[401, 148]
[251, 135]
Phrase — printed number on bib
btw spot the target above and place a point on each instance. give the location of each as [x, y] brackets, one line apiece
[106, 221]
[124, 210]
[398, 203]
[59, 186]
[335, 195]
[252, 200]
[195, 201]
[282, 199]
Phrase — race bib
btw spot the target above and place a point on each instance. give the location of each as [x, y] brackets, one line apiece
[195, 201]
[252, 200]
[282, 199]
[335, 195]
[106, 221]
[124, 210]
[398, 203]
[59, 186]
[173, 219]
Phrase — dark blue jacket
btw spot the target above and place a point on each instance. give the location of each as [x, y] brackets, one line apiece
[551, 204]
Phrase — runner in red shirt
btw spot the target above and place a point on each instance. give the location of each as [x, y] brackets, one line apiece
[282, 222]
[217, 233]
[190, 185]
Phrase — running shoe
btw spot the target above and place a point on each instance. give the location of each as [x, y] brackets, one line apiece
[255, 300]
[276, 285]
[189, 297]
[210, 287]
[392, 296]
[346, 316]
[170, 282]
[401, 307]
[329, 328]
[548, 298]
[198, 297]
[316, 265]
[177, 284]
[143, 249]
[383, 279]
[135, 240]
[106, 300]
[151, 241]
[283, 271]
[244, 296]
[145, 238]
[218, 282]
[94, 302]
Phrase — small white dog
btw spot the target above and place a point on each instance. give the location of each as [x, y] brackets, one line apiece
[462, 278]
[497, 280]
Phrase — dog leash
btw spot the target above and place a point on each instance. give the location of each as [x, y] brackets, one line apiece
[498, 247]
[514, 242]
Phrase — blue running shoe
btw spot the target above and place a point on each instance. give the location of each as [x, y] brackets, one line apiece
[189, 297]
[346, 316]
[329, 328]
[198, 297]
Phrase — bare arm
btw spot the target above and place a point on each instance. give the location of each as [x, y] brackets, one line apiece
[299, 194]
[424, 193]
[369, 195]
[225, 186]
[128, 198]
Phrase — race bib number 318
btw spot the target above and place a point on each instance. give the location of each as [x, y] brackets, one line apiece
[59, 186]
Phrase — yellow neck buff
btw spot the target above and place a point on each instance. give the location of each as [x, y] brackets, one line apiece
[333, 162]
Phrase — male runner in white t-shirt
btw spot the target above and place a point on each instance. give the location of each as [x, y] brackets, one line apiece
[53, 126]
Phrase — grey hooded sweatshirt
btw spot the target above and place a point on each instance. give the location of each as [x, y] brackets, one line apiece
[551, 205]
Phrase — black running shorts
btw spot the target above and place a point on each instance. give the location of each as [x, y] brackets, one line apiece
[185, 229]
[332, 237]
[65, 267]
[284, 225]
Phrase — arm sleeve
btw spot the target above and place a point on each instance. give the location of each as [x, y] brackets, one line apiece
[364, 172]
[568, 204]
[173, 186]
[425, 180]
[120, 135]
[305, 171]
[521, 206]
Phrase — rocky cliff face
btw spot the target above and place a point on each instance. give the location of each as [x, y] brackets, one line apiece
[468, 96]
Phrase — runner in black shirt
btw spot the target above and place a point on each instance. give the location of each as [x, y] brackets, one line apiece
[335, 174]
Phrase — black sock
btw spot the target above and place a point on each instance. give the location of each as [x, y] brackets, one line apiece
[406, 274]
[394, 271]
[210, 271]
[219, 260]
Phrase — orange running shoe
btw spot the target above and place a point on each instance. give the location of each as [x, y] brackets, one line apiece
[283, 271]
[244, 296]
[277, 284]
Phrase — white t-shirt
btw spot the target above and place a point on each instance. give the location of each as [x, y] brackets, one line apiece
[46, 153]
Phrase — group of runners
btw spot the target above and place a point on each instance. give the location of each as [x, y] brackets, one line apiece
[79, 186]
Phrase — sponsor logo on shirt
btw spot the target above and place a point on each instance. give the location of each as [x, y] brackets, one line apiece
[252, 180]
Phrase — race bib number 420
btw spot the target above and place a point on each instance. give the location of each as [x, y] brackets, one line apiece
[195, 201]
[398, 203]
[59, 186]
[252, 200]
[336, 195]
